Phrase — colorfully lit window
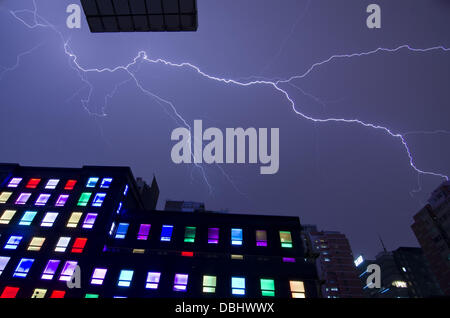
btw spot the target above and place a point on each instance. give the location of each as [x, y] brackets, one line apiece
[119, 208]
[50, 269]
[4, 196]
[288, 260]
[166, 233]
[400, 284]
[236, 236]
[49, 219]
[68, 270]
[261, 238]
[70, 184]
[33, 183]
[42, 199]
[7, 216]
[91, 183]
[98, 199]
[23, 198]
[125, 191]
[144, 230]
[297, 289]
[62, 244]
[91, 296]
[238, 285]
[58, 294]
[3, 262]
[13, 242]
[98, 276]
[23, 268]
[213, 235]
[74, 219]
[79, 245]
[187, 254]
[89, 220]
[189, 234]
[122, 230]
[9, 292]
[106, 183]
[267, 287]
[39, 293]
[180, 282]
[27, 218]
[62, 199]
[14, 183]
[286, 239]
[36, 243]
[209, 284]
[125, 278]
[84, 198]
[51, 184]
[153, 279]
[237, 257]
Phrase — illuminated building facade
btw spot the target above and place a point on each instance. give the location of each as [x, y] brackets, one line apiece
[92, 223]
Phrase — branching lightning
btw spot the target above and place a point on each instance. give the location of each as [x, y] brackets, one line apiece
[275, 84]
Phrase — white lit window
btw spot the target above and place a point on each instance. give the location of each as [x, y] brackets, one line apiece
[49, 219]
[51, 184]
[62, 244]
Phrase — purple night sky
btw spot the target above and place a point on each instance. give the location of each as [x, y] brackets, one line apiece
[340, 176]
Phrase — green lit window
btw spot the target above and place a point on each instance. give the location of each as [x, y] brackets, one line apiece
[267, 287]
[286, 239]
[91, 296]
[189, 234]
[84, 198]
[209, 284]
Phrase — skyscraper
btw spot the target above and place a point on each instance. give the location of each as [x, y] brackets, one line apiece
[432, 229]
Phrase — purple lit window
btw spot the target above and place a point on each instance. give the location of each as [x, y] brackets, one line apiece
[153, 280]
[213, 235]
[261, 238]
[23, 198]
[68, 270]
[143, 232]
[98, 276]
[14, 183]
[50, 269]
[180, 282]
[89, 220]
[62, 199]
[288, 260]
[42, 199]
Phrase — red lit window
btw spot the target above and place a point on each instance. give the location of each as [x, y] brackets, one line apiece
[33, 183]
[70, 184]
[79, 245]
[187, 254]
[9, 292]
[58, 294]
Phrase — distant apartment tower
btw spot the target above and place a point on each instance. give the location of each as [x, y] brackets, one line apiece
[432, 229]
[405, 273]
[334, 263]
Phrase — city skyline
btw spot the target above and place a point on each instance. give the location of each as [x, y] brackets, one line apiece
[341, 176]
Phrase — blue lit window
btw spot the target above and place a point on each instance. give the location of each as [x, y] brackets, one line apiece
[236, 236]
[122, 230]
[27, 218]
[166, 233]
[106, 183]
[42, 199]
[13, 242]
[98, 199]
[125, 278]
[238, 285]
[23, 268]
[92, 182]
[126, 190]
[119, 208]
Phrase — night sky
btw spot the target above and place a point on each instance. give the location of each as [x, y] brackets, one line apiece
[340, 176]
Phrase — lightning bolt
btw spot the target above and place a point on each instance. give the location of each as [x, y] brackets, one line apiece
[275, 84]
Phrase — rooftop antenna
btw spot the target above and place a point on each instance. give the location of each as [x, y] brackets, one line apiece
[382, 243]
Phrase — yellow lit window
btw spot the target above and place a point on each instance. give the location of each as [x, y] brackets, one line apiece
[7, 216]
[297, 289]
[236, 256]
[138, 251]
[399, 284]
[4, 196]
[36, 243]
[39, 293]
[74, 219]
[286, 239]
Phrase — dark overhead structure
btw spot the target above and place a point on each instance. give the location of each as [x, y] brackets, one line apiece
[140, 15]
